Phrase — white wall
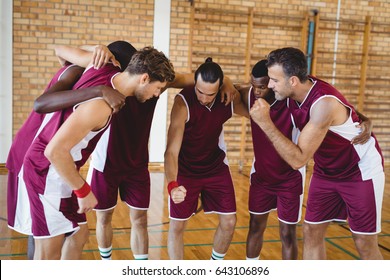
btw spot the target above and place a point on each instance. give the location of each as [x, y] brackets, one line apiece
[5, 78]
[161, 39]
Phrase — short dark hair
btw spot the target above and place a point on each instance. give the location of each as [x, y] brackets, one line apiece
[154, 63]
[292, 60]
[123, 51]
[210, 72]
[260, 69]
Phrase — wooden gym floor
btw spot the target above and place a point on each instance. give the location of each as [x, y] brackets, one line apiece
[200, 230]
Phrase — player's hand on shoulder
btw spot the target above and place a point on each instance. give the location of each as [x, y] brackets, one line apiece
[114, 98]
[228, 91]
[101, 56]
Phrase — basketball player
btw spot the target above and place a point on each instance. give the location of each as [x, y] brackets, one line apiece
[120, 164]
[64, 79]
[273, 183]
[118, 53]
[348, 179]
[68, 140]
[195, 160]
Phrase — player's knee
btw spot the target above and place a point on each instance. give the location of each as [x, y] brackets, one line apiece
[139, 220]
[257, 223]
[288, 237]
[228, 222]
[104, 218]
[308, 231]
[364, 244]
[82, 235]
[176, 227]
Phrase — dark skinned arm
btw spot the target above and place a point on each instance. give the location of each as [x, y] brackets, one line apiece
[366, 126]
[60, 97]
[55, 101]
[66, 82]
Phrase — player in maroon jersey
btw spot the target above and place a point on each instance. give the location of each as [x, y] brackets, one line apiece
[195, 160]
[275, 185]
[67, 141]
[348, 179]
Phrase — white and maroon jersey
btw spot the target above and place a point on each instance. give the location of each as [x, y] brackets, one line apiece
[39, 176]
[31, 127]
[337, 158]
[203, 149]
[39, 164]
[123, 149]
[269, 166]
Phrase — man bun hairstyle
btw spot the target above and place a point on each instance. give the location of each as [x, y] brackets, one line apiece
[210, 72]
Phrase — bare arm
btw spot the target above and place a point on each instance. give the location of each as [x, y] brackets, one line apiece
[241, 102]
[60, 97]
[54, 101]
[181, 81]
[97, 56]
[175, 138]
[83, 120]
[366, 126]
[73, 55]
[228, 91]
[327, 112]
[66, 82]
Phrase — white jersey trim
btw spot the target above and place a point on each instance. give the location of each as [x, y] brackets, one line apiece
[188, 108]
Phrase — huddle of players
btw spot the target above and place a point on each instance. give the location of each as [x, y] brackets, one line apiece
[294, 117]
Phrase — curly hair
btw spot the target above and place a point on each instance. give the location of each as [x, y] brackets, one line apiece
[153, 62]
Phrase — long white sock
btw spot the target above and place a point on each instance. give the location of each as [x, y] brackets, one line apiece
[217, 256]
[105, 253]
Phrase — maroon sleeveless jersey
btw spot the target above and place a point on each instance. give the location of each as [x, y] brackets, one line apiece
[269, 166]
[202, 151]
[28, 131]
[337, 158]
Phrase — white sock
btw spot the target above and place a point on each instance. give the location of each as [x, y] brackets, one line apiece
[253, 259]
[217, 256]
[141, 257]
[105, 253]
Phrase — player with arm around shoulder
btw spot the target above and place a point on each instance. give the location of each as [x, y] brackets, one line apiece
[195, 160]
[348, 178]
[51, 191]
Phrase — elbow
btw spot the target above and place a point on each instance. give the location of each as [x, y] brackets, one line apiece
[53, 153]
[166, 155]
[38, 107]
[57, 50]
[169, 157]
[49, 153]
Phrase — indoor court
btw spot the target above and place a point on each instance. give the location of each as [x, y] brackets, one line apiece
[346, 43]
[200, 231]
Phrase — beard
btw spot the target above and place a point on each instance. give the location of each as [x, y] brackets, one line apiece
[279, 97]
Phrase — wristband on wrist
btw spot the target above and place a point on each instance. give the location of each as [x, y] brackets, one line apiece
[83, 191]
[172, 185]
